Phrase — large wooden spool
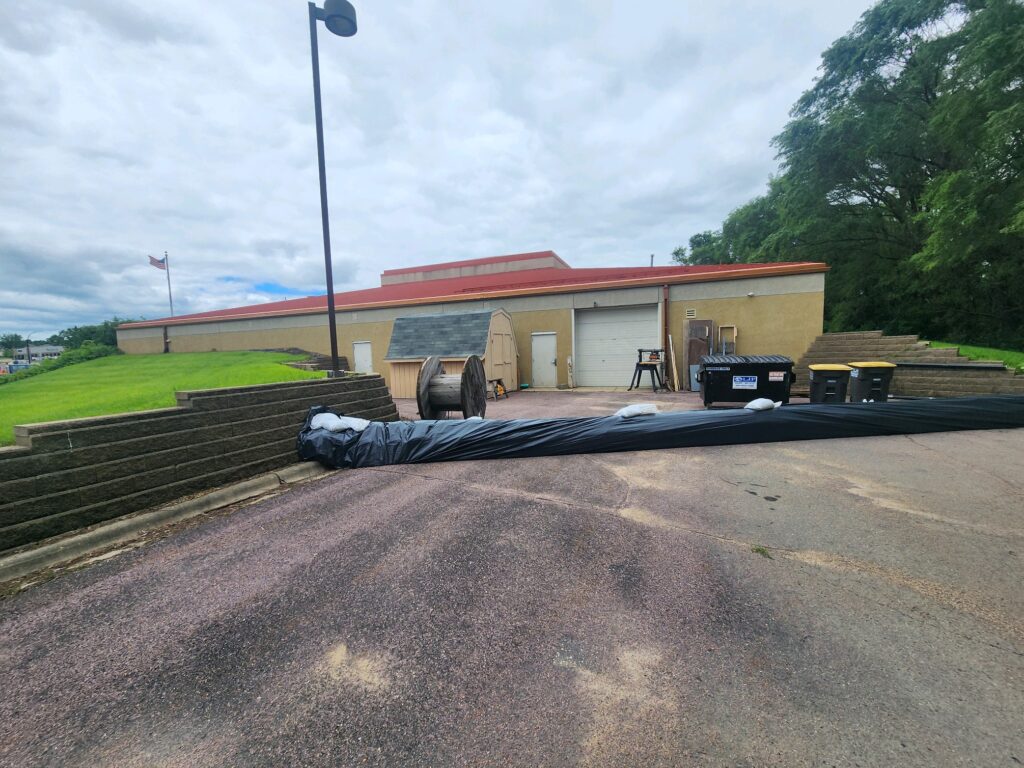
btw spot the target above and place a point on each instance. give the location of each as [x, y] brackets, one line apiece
[438, 393]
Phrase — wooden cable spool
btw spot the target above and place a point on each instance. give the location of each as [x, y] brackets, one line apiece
[438, 393]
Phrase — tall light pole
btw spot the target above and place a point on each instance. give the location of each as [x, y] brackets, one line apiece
[340, 18]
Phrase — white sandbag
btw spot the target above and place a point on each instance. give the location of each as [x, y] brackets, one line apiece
[637, 409]
[323, 421]
[762, 404]
[351, 422]
[333, 423]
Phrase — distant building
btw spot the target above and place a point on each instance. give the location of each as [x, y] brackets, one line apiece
[40, 352]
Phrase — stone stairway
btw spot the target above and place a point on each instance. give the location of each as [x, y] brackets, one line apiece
[924, 371]
[318, 362]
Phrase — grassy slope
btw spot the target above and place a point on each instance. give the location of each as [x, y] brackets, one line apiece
[1011, 358]
[133, 383]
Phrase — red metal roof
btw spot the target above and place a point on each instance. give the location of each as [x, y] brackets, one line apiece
[496, 285]
[473, 262]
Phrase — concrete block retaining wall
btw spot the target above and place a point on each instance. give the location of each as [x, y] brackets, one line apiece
[923, 371]
[61, 476]
[955, 380]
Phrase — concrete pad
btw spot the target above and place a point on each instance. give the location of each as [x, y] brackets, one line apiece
[537, 404]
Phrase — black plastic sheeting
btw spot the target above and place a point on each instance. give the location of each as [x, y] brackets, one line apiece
[414, 442]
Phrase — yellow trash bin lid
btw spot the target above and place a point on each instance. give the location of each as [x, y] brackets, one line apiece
[829, 367]
[873, 364]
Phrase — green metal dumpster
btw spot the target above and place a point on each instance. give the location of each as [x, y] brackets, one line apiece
[829, 382]
[869, 381]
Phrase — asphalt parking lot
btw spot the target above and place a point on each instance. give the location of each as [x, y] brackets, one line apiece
[843, 603]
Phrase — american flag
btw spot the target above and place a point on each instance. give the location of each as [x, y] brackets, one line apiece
[158, 263]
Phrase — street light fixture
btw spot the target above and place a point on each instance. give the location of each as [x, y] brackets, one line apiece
[340, 18]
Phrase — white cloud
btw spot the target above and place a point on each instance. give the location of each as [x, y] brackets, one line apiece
[606, 131]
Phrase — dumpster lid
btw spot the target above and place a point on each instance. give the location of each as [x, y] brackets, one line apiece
[873, 364]
[721, 359]
[829, 367]
[739, 359]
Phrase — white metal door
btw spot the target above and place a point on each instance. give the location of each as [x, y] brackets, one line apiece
[607, 341]
[362, 356]
[544, 359]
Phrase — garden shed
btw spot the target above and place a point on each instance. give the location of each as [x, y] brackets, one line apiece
[452, 336]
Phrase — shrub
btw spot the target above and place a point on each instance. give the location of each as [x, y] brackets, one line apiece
[88, 351]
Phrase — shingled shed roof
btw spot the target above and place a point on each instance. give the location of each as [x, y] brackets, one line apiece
[453, 334]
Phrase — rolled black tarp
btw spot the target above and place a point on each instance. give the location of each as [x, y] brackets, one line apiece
[404, 442]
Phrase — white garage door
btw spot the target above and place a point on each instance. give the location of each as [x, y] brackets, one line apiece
[607, 341]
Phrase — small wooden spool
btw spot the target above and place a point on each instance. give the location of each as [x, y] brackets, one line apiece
[437, 393]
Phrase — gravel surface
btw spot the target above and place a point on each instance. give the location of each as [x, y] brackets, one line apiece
[847, 602]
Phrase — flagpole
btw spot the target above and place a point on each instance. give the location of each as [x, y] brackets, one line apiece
[167, 265]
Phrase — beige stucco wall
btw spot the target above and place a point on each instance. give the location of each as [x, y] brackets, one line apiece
[541, 321]
[783, 324]
[468, 270]
[308, 332]
[141, 341]
[782, 317]
[378, 334]
[309, 339]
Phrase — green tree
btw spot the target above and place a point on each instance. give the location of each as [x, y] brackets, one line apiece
[104, 333]
[9, 342]
[903, 169]
[704, 248]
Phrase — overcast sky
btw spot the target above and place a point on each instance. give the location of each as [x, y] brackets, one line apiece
[603, 130]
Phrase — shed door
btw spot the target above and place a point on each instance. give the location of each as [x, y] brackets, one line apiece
[362, 356]
[607, 341]
[500, 361]
[544, 359]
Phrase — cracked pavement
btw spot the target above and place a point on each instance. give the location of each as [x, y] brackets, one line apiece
[843, 602]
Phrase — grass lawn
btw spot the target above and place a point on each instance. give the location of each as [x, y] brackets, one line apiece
[134, 383]
[1011, 358]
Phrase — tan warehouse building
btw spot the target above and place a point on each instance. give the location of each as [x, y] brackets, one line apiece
[572, 327]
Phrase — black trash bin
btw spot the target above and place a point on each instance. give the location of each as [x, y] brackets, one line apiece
[828, 382]
[742, 378]
[869, 381]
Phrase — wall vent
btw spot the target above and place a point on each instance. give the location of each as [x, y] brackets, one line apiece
[691, 313]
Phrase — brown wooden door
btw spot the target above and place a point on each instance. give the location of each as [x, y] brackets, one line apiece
[700, 336]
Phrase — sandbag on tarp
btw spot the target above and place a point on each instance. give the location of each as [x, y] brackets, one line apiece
[414, 442]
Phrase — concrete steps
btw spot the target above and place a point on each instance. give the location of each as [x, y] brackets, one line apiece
[318, 362]
[930, 371]
[67, 475]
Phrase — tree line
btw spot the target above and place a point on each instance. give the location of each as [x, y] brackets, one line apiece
[103, 334]
[903, 169]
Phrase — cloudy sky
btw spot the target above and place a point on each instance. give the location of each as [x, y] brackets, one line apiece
[601, 129]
